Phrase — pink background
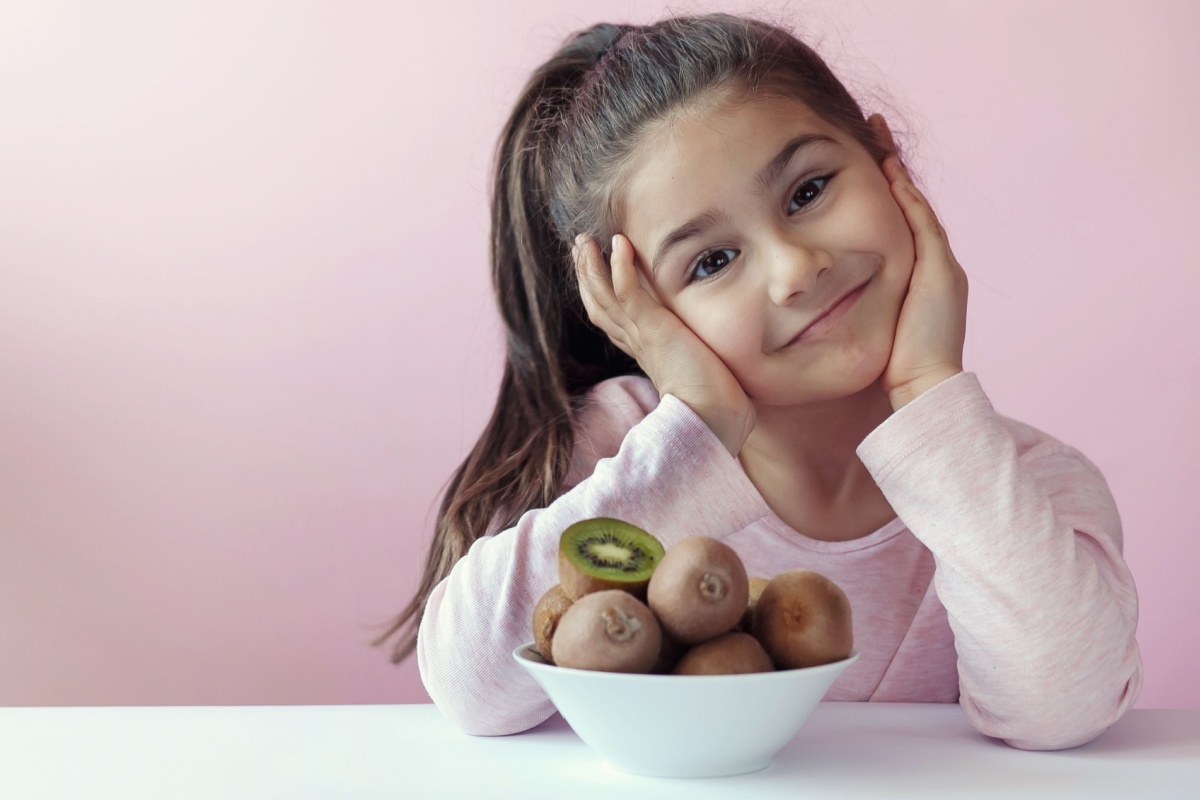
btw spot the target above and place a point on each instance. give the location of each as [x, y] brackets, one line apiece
[246, 329]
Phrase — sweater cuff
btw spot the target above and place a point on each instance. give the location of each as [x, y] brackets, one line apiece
[928, 416]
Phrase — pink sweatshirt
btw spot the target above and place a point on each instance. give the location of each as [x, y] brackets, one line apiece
[1000, 585]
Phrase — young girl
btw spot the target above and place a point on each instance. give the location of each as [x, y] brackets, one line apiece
[729, 312]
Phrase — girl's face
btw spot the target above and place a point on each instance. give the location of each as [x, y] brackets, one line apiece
[751, 219]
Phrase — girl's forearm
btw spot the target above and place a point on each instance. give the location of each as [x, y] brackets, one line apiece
[1027, 545]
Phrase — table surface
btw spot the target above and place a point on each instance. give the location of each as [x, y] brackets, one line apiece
[845, 750]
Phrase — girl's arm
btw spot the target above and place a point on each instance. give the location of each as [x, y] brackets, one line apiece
[1027, 544]
[671, 476]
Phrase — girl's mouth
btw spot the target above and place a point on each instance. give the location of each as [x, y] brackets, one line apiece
[830, 318]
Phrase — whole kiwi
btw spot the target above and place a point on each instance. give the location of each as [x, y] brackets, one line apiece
[610, 631]
[699, 589]
[733, 653]
[803, 619]
[546, 614]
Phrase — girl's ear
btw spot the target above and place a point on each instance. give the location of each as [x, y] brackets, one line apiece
[883, 134]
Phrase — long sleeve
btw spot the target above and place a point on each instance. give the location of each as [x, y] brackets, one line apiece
[671, 477]
[1027, 544]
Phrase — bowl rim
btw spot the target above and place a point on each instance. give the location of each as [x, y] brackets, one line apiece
[528, 656]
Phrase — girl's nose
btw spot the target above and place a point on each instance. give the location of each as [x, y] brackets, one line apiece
[795, 268]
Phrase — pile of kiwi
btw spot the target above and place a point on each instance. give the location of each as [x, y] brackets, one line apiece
[624, 604]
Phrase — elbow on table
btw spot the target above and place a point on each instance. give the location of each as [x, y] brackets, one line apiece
[481, 707]
[482, 719]
[1056, 724]
[1055, 740]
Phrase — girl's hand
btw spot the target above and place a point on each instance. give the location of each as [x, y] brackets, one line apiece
[670, 354]
[928, 347]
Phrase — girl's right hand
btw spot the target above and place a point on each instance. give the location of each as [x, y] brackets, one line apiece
[671, 355]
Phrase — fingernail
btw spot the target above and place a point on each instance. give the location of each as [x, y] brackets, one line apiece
[580, 239]
[614, 241]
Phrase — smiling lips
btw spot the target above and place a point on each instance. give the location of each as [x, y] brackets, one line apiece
[827, 319]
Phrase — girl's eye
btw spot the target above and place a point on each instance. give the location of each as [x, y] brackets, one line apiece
[809, 191]
[711, 263]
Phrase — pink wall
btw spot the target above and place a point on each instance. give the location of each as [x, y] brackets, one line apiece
[246, 332]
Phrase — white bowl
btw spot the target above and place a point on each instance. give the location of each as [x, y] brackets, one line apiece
[684, 726]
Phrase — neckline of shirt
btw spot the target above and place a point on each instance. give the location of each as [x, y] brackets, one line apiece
[877, 537]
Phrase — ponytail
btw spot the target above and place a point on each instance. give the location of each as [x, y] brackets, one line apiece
[553, 353]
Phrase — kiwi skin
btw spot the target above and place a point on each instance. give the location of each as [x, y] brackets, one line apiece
[746, 625]
[669, 654]
[699, 590]
[546, 614]
[803, 619]
[610, 631]
[732, 653]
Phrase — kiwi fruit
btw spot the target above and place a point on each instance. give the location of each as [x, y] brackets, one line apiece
[603, 553]
[546, 614]
[733, 653]
[746, 625]
[699, 589]
[611, 631]
[669, 654]
[803, 619]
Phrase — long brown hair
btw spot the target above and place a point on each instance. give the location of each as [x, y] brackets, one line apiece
[557, 173]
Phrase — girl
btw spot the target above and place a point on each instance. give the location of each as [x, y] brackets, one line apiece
[769, 351]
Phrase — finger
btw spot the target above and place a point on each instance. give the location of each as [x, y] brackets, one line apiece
[641, 307]
[595, 289]
[595, 278]
[930, 236]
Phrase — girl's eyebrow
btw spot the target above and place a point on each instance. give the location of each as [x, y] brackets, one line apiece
[772, 170]
[712, 217]
[693, 227]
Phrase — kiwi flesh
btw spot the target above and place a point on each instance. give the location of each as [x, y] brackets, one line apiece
[603, 553]
[732, 653]
[546, 614]
[699, 590]
[803, 619]
[611, 631]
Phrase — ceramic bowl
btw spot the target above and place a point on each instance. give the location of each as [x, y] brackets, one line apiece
[684, 726]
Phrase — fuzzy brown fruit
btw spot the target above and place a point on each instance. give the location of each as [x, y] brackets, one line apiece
[731, 653]
[546, 615]
[803, 619]
[746, 625]
[609, 631]
[699, 589]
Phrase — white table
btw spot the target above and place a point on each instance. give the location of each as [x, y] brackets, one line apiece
[846, 750]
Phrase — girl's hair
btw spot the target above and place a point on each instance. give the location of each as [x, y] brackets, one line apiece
[558, 173]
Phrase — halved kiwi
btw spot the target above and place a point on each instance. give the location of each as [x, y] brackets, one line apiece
[604, 553]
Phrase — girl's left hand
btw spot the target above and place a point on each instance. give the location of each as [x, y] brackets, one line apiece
[928, 346]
